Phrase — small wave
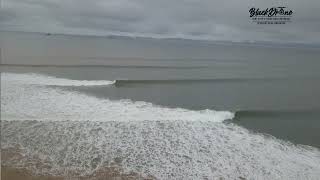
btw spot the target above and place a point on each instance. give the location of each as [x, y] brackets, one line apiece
[276, 113]
[37, 79]
[123, 82]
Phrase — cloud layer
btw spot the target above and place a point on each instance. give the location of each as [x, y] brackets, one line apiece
[206, 19]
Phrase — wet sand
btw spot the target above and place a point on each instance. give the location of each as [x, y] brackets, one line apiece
[11, 173]
[19, 173]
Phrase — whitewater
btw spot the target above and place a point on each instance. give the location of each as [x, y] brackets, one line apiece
[75, 132]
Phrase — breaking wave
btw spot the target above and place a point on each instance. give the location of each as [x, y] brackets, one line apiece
[43, 103]
[37, 79]
[79, 133]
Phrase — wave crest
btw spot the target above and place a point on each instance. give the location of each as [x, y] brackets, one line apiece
[37, 79]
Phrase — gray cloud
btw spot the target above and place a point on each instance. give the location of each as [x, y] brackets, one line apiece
[205, 19]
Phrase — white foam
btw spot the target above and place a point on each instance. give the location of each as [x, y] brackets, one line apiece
[37, 79]
[44, 103]
[167, 143]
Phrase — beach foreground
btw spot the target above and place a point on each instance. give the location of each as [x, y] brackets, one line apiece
[10, 173]
[17, 173]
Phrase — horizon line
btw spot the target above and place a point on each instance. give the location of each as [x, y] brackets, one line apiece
[132, 36]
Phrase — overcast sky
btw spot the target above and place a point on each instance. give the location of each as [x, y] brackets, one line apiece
[196, 19]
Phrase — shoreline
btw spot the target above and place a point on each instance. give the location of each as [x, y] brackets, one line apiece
[111, 173]
[11, 172]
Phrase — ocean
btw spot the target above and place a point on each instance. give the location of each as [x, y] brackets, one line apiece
[160, 108]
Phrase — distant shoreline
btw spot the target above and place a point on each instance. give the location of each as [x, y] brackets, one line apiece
[176, 38]
[101, 65]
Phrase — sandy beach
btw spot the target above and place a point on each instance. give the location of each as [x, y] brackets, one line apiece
[18, 173]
